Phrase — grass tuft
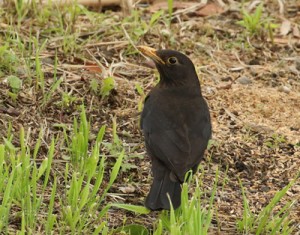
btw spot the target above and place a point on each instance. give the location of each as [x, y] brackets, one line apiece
[268, 221]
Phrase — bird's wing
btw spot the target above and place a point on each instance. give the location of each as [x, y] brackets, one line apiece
[167, 139]
[167, 147]
[176, 133]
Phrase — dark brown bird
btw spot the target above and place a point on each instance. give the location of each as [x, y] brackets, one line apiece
[176, 125]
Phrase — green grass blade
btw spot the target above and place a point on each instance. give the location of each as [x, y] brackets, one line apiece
[113, 174]
[132, 208]
[51, 218]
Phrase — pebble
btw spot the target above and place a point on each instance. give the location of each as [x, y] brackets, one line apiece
[244, 80]
[265, 188]
[254, 61]
[226, 79]
[209, 90]
[284, 89]
[253, 71]
[48, 60]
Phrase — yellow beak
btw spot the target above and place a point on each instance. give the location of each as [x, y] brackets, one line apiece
[151, 53]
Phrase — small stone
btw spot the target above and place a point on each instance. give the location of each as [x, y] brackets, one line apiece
[265, 188]
[209, 90]
[48, 60]
[226, 79]
[236, 113]
[244, 80]
[253, 72]
[293, 69]
[254, 61]
[285, 89]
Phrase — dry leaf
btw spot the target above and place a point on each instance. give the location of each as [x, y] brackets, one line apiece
[93, 67]
[210, 9]
[285, 40]
[296, 31]
[285, 27]
[127, 189]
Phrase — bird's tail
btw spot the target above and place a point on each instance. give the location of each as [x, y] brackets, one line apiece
[157, 198]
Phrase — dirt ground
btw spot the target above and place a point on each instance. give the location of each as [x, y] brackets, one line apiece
[252, 86]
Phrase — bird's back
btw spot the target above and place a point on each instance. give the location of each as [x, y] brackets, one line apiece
[180, 116]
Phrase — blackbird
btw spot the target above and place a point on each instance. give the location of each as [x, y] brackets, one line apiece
[176, 125]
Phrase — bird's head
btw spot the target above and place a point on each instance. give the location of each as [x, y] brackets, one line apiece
[174, 67]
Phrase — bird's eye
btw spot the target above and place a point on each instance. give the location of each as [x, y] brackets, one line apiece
[172, 60]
